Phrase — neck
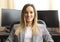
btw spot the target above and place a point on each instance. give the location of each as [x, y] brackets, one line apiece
[29, 24]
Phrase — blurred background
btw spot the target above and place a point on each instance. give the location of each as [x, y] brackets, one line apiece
[40, 5]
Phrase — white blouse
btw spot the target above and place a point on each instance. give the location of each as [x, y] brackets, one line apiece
[28, 34]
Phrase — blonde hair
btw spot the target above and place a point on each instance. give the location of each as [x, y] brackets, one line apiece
[23, 22]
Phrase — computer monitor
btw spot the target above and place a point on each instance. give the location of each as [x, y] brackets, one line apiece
[10, 16]
[50, 17]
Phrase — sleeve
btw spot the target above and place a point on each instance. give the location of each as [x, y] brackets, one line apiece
[46, 35]
[12, 37]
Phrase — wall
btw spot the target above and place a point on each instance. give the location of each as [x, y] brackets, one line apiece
[6, 4]
[3, 4]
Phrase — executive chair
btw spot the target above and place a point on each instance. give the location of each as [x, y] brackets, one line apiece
[39, 22]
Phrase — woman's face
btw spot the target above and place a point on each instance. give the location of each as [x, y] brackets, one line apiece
[29, 14]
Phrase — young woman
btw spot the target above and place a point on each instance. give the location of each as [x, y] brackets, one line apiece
[29, 30]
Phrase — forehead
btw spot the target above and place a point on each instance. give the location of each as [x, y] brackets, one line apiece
[29, 8]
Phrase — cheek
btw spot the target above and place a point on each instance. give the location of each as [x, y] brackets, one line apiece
[32, 16]
[25, 16]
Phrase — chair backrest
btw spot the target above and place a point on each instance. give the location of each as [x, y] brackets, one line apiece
[13, 24]
[39, 22]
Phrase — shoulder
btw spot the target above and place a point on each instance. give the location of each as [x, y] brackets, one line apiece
[15, 26]
[41, 25]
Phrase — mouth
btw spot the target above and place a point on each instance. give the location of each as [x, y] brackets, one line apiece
[28, 17]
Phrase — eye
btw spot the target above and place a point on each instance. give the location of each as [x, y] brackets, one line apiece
[31, 12]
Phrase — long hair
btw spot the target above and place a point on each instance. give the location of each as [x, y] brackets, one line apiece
[23, 21]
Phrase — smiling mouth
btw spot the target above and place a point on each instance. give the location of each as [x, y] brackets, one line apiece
[28, 17]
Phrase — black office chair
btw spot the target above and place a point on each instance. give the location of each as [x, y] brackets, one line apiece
[39, 22]
[14, 24]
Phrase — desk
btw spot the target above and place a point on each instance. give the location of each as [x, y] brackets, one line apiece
[3, 36]
[56, 37]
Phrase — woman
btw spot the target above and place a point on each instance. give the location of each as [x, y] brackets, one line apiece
[29, 30]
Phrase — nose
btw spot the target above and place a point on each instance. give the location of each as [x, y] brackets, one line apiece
[28, 14]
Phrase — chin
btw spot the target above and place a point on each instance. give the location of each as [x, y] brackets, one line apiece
[28, 21]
